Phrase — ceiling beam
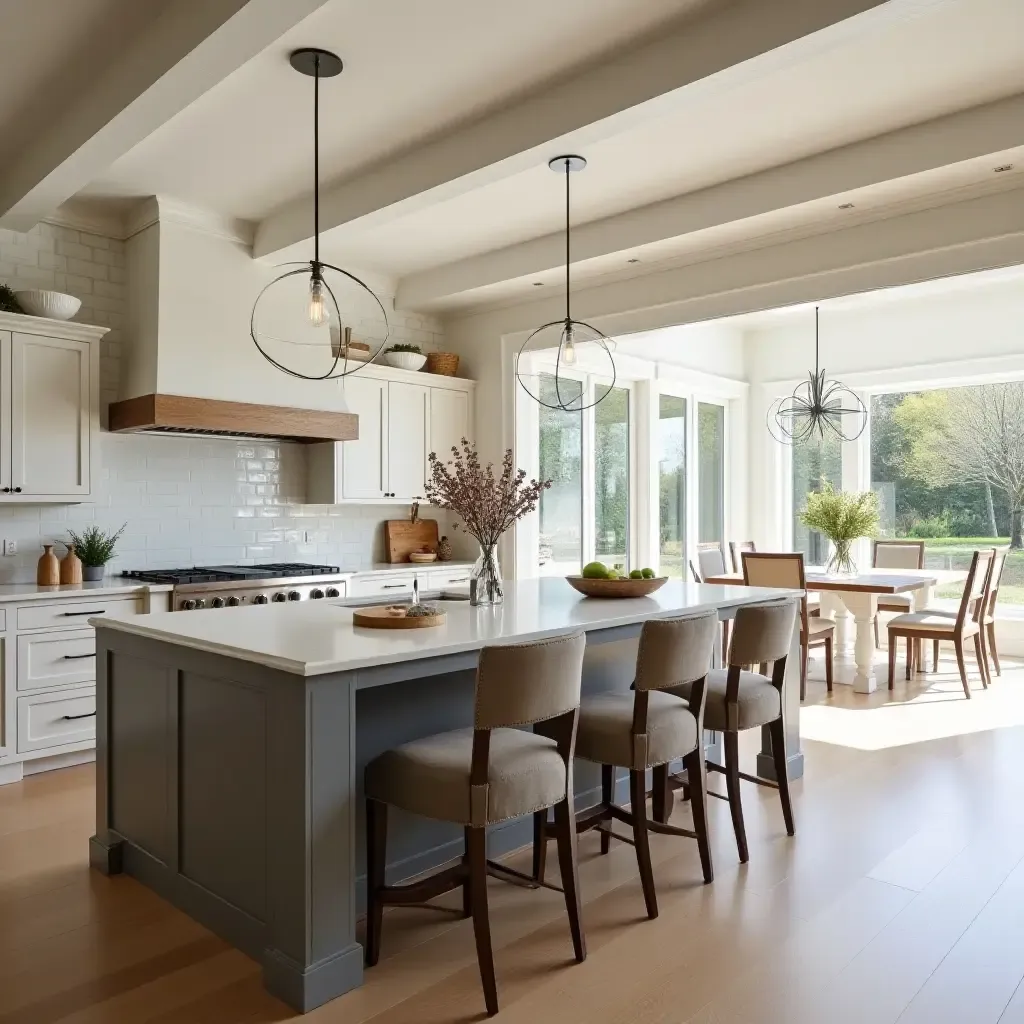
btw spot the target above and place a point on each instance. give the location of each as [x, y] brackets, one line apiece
[723, 45]
[980, 131]
[181, 54]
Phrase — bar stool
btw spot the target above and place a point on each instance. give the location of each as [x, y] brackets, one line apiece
[646, 729]
[477, 777]
[736, 700]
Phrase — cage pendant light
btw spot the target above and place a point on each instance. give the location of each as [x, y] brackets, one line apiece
[818, 409]
[316, 346]
[575, 344]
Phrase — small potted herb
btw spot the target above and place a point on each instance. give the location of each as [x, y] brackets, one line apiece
[405, 357]
[95, 547]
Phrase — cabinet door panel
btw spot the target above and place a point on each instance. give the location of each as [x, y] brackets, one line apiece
[449, 421]
[5, 409]
[407, 440]
[363, 472]
[49, 415]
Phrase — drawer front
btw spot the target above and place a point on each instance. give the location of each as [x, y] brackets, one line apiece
[384, 586]
[454, 579]
[56, 658]
[73, 614]
[55, 718]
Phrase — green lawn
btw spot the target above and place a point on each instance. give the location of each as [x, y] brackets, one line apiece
[956, 552]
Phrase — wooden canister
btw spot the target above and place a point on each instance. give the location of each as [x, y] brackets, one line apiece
[71, 567]
[48, 568]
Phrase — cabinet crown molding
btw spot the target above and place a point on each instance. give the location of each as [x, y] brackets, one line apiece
[67, 329]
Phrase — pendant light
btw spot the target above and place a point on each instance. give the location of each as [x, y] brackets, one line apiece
[311, 324]
[818, 408]
[574, 342]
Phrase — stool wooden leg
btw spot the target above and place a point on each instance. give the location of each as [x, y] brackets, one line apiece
[477, 856]
[893, 642]
[958, 646]
[777, 730]
[376, 854]
[607, 797]
[992, 647]
[565, 832]
[540, 844]
[638, 807]
[696, 777]
[910, 656]
[661, 795]
[730, 744]
[979, 657]
[467, 894]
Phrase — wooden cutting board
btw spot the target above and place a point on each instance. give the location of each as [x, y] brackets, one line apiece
[386, 617]
[403, 536]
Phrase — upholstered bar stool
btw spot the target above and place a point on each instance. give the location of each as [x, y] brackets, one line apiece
[646, 729]
[736, 700]
[477, 777]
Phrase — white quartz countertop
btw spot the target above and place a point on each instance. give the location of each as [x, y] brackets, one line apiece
[316, 637]
[110, 586]
[379, 567]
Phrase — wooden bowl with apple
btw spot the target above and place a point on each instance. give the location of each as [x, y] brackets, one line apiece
[599, 581]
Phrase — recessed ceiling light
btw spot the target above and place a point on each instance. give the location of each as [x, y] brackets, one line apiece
[633, 260]
[1003, 167]
[846, 206]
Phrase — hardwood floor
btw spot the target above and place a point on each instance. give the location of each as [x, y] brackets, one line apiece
[901, 898]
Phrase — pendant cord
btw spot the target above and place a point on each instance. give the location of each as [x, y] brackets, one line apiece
[816, 362]
[316, 159]
[567, 291]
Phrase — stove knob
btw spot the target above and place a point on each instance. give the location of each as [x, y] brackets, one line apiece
[218, 602]
[188, 605]
[294, 595]
[260, 599]
[200, 603]
[316, 594]
[333, 592]
[233, 602]
[281, 597]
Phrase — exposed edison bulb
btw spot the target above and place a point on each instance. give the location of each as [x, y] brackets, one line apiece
[569, 349]
[318, 315]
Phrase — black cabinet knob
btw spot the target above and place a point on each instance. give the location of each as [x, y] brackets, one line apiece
[17, 490]
[7, 490]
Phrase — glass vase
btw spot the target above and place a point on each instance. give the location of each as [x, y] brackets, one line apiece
[485, 583]
[841, 563]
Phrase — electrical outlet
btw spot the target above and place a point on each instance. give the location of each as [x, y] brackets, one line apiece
[10, 548]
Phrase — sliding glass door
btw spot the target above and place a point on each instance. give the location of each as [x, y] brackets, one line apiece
[612, 478]
[710, 472]
[560, 460]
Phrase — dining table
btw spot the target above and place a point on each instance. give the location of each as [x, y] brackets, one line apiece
[855, 596]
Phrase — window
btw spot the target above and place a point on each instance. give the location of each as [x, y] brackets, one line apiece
[710, 472]
[671, 454]
[560, 461]
[611, 478]
[814, 463]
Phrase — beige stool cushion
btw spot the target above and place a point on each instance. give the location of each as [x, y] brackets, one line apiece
[431, 776]
[759, 701]
[895, 602]
[605, 733]
[932, 620]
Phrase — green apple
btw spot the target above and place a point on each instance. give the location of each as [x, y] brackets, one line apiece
[595, 571]
[648, 574]
[636, 574]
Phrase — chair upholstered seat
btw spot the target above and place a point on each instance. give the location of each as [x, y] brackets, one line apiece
[937, 621]
[817, 626]
[605, 732]
[431, 776]
[759, 701]
[895, 602]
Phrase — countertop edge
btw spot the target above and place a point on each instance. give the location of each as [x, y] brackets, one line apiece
[73, 590]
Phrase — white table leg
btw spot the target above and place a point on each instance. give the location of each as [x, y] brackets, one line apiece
[863, 607]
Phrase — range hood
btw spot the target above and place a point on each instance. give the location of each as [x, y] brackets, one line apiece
[180, 414]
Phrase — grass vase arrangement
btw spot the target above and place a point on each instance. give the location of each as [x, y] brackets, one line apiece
[95, 547]
[488, 503]
[843, 517]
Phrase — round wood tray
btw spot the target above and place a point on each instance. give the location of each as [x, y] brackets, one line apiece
[384, 617]
[616, 588]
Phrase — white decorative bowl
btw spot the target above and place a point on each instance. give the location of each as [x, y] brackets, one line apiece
[405, 360]
[55, 305]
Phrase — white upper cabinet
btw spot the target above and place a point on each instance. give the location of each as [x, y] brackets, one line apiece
[403, 417]
[49, 409]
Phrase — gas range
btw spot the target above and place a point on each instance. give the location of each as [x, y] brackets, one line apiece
[229, 586]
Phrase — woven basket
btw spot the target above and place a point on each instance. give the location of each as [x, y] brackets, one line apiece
[446, 363]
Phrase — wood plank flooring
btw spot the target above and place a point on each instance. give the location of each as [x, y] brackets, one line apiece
[900, 899]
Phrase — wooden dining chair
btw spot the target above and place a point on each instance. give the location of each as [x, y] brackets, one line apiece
[694, 573]
[988, 634]
[937, 625]
[786, 569]
[896, 554]
[491, 773]
[736, 549]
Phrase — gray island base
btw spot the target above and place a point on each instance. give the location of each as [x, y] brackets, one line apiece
[231, 747]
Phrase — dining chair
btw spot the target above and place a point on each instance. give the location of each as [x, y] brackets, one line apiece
[786, 569]
[694, 573]
[896, 554]
[988, 633]
[711, 559]
[736, 700]
[490, 773]
[736, 549]
[648, 728]
[936, 625]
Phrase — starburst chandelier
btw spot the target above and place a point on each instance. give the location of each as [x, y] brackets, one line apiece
[317, 346]
[818, 408]
[574, 342]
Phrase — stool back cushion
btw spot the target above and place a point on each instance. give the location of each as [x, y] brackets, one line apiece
[519, 684]
[890, 554]
[675, 651]
[763, 632]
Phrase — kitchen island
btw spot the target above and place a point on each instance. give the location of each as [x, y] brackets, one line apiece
[231, 746]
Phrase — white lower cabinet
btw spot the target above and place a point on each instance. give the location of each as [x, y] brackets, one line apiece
[56, 718]
[389, 585]
[56, 658]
